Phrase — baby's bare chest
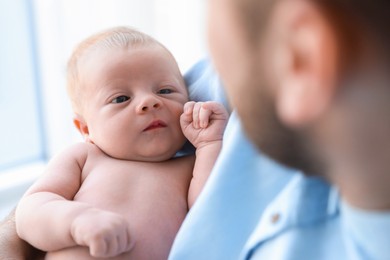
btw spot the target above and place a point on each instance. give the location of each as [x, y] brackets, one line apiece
[152, 197]
[122, 185]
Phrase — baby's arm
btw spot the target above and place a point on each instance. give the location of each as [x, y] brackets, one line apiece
[49, 219]
[203, 124]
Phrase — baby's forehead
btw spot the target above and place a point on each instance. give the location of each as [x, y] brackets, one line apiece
[117, 52]
[142, 59]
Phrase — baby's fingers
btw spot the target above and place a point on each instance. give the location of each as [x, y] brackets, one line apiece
[196, 115]
[111, 246]
[204, 116]
[217, 109]
[189, 107]
[186, 117]
[98, 248]
[199, 114]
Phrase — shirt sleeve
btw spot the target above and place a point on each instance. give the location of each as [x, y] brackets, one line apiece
[367, 233]
[204, 84]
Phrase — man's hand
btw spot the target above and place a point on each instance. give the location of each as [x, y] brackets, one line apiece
[13, 247]
[105, 233]
[203, 122]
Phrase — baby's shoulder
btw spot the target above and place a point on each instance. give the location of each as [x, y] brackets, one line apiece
[80, 151]
[79, 148]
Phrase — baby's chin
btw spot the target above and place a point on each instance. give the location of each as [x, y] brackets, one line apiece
[156, 152]
[154, 156]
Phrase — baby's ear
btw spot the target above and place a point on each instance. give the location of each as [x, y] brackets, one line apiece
[81, 125]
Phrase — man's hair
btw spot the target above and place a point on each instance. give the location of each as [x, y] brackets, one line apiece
[113, 38]
[353, 18]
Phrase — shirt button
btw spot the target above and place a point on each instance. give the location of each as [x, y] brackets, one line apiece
[275, 218]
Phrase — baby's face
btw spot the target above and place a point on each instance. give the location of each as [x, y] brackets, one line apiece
[134, 102]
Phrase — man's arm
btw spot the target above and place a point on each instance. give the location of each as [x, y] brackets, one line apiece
[13, 247]
[203, 124]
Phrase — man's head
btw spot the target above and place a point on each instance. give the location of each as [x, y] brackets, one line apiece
[128, 94]
[307, 77]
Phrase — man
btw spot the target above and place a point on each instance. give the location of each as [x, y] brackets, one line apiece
[309, 80]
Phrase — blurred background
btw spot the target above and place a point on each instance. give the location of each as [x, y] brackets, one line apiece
[37, 37]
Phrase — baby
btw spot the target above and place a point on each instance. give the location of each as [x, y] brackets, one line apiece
[123, 193]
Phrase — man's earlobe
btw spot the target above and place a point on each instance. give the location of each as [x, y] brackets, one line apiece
[307, 62]
[80, 124]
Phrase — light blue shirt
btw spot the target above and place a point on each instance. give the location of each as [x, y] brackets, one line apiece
[253, 208]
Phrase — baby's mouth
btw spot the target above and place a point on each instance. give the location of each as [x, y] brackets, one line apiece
[154, 125]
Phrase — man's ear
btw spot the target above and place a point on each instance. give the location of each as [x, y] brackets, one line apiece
[305, 64]
[82, 126]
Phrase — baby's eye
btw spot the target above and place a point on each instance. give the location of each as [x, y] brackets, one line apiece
[120, 99]
[165, 91]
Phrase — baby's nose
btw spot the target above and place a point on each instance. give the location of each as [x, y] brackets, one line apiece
[149, 103]
[146, 107]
